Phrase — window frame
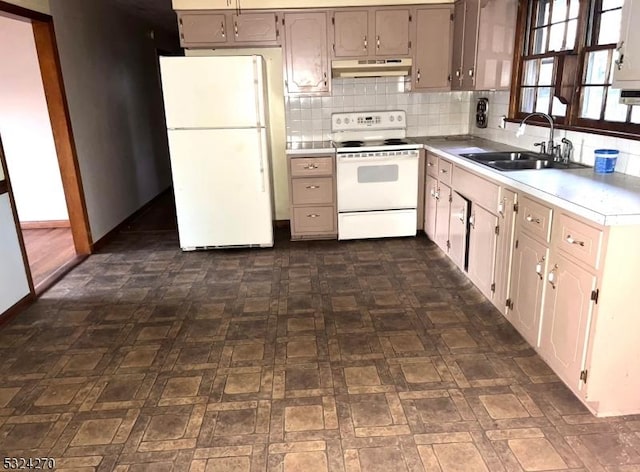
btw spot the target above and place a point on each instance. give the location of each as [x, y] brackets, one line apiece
[588, 27]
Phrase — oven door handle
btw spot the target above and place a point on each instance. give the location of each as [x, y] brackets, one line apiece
[374, 160]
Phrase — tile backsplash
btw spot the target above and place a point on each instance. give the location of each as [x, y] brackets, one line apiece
[584, 143]
[428, 114]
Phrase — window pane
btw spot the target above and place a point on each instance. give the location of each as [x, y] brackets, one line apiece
[572, 28]
[556, 38]
[574, 8]
[592, 102]
[558, 109]
[543, 100]
[635, 114]
[546, 71]
[540, 41]
[559, 11]
[614, 111]
[610, 27]
[527, 99]
[597, 67]
[609, 4]
[530, 76]
[542, 15]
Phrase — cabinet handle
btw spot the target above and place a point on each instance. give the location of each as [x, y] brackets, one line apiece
[433, 193]
[443, 171]
[365, 43]
[539, 267]
[552, 276]
[325, 79]
[311, 166]
[378, 42]
[472, 221]
[437, 195]
[570, 240]
[235, 28]
[313, 187]
[501, 206]
[430, 164]
[470, 72]
[458, 73]
[418, 76]
[531, 219]
[222, 31]
[313, 215]
[462, 217]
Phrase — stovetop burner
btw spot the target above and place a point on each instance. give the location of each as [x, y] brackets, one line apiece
[352, 144]
[394, 142]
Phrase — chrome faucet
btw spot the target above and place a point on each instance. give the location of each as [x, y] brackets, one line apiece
[545, 148]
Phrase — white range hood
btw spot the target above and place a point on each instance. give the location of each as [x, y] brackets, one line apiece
[371, 68]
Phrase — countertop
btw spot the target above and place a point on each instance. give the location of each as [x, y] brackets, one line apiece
[606, 199]
[309, 148]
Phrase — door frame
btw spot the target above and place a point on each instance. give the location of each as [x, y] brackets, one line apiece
[59, 117]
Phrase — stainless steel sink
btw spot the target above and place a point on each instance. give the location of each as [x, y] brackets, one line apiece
[524, 160]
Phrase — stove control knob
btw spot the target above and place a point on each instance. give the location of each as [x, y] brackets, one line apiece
[399, 117]
[339, 121]
[346, 121]
[391, 118]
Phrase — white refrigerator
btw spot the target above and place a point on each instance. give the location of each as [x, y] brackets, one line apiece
[216, 112]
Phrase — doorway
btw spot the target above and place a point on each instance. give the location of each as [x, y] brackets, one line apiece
[39, 154]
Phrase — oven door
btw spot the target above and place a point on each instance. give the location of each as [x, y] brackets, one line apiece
[377, 182]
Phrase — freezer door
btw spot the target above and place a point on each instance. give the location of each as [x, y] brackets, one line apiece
[214, 92]
[222, 187]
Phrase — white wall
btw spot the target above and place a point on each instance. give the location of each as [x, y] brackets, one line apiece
[585, 143]
[109, 67]
[37, 5]
[25, 127]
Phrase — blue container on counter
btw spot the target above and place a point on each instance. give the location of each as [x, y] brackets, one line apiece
[605, 161]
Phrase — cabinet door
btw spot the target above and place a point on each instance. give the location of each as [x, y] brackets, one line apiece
[392, 32]
[482, 249]
[469, 53]
[430, 207]
[506, 223]
[495, 44]
[458, 42]
[433, 48]
[627, 74]
[13, 276]
[202, 29]
[350, 33]
[306, 52]
[529, 263]
[567, 315]
[458, 229]
[254, 27]
[443, 203]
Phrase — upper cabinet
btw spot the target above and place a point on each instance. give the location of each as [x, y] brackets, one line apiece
[483, 44]
[626, 74]
[202, 29]
[363, 32]
[307, 61]
[432, 64]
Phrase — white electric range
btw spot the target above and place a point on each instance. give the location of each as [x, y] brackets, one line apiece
[377, 175]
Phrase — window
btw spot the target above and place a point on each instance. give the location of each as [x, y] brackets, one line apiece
[568, 55]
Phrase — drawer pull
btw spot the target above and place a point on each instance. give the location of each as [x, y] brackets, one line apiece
[552, 276]
[531, 219]
[443, 171]
[430, 164]
[312, 187]
[311, 166]
[570, 240]
[313, 215]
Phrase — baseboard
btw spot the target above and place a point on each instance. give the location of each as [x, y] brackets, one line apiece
[48, 224]
[17, 308]
[104, 240]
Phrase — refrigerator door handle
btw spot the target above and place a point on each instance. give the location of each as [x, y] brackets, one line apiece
[261, 150]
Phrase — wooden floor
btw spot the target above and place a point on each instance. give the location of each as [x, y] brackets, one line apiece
[47, 250]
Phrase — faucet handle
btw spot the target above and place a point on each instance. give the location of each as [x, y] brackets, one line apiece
[543, 147]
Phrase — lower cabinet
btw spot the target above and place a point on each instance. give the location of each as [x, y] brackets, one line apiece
[527, 285]
[568, 309]
[430, 206]
[312, 195]
[458, 229]
[443, 209]
[504, 244]
[482, 249]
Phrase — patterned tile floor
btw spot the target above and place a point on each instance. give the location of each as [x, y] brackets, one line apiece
[359, 356]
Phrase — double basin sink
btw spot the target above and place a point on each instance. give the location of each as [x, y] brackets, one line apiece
[507, 161]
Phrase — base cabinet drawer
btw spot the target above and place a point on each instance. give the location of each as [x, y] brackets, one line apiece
[578, 239]
[312, 191]
[311, 166]
[314, 220]
[535, 218]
